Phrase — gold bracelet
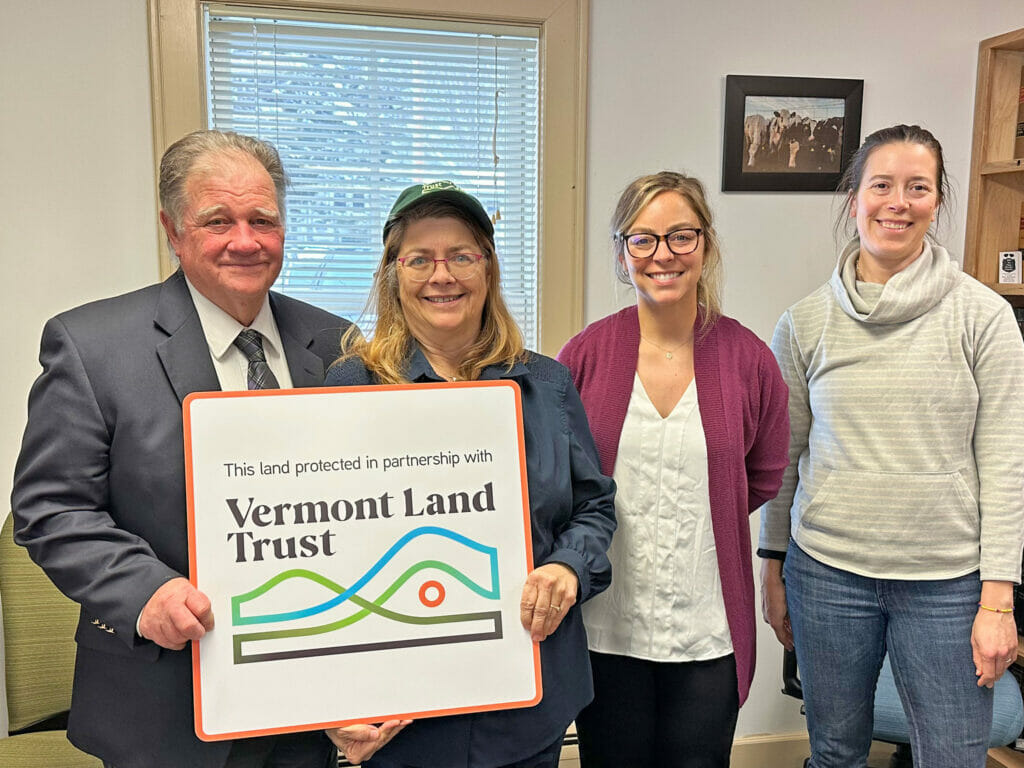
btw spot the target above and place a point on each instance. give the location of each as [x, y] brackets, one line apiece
[995, 610]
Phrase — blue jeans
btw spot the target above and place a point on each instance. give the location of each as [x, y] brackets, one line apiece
[844, 624]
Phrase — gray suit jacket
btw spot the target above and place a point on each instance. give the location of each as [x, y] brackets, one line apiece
[99, 499]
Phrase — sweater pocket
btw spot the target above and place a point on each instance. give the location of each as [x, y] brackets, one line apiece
[893, 524]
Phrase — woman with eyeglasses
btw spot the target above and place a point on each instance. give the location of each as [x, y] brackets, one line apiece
[441, 317]
[688, 410]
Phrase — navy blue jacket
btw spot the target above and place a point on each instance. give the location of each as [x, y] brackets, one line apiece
[573, 518]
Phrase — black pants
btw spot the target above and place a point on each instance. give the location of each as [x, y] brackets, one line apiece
[652, 714]
[546, 758]
[289, 750]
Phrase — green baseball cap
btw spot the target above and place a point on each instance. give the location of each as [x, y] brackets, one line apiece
[439, 190]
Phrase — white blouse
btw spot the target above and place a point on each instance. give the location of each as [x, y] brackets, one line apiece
[665, 601]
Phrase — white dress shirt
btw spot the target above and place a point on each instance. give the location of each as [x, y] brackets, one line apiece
[230, 363]
[665, 601]
[221, 330]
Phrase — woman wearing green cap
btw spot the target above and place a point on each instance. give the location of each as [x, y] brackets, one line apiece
[441, 317]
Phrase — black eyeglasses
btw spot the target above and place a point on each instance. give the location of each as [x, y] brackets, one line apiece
[681, 242]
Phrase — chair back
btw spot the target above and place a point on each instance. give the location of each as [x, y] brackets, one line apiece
[791, 685]
[39, 637]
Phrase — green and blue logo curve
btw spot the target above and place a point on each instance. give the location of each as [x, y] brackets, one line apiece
[327, 638]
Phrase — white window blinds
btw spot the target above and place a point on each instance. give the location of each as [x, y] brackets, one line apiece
[360, 108]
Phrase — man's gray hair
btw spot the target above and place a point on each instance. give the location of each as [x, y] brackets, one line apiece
[198, 151]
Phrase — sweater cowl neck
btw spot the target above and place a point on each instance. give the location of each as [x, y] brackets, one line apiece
[907, 294]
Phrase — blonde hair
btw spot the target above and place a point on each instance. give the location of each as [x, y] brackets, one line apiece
[385, 354]
[637, 196]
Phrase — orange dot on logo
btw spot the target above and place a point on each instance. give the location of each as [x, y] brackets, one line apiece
[436, 589]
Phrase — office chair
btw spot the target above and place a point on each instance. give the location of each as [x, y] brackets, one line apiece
[39, 627]
[891, 722]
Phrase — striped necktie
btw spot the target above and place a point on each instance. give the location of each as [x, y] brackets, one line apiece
[259, 375]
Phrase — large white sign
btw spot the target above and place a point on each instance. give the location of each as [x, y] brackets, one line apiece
[364, 550]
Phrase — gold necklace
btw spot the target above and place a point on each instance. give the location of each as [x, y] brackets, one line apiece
[439, 372]
[668, 352]
[856, 270]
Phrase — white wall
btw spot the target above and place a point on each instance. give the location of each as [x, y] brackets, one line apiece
[77, 211]
[77, 203]
[918, 60]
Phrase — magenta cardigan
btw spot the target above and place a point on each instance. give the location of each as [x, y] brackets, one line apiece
[743, 405]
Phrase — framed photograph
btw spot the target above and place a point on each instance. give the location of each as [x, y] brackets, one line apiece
[789, 134]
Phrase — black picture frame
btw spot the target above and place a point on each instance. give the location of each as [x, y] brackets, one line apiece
[788, 170]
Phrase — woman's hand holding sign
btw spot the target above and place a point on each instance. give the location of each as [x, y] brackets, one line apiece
[550, 591]
[357, 743]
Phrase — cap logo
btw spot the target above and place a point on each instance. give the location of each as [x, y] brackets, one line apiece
[433, 187]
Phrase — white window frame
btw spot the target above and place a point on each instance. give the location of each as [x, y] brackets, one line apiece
[177, 82]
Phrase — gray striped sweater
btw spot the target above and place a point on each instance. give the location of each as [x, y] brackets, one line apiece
[906, 409]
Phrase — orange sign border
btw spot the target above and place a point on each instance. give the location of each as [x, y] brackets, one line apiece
[197, 694]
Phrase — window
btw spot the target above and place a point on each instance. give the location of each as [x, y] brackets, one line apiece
[360, 107]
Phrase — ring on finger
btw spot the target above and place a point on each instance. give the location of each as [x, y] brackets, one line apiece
[556, 608]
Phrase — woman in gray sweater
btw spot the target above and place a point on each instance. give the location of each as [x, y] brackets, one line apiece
[901, 516]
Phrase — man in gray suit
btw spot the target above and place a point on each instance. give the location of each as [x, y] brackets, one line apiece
[99, 487]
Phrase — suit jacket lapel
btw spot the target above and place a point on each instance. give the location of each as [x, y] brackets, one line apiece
[305, 366]
[184, 354]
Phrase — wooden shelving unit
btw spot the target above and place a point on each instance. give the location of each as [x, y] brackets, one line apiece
[1004, 757]
[994, 202]
[997, 177]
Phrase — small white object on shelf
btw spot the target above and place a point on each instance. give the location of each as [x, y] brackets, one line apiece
[1009, 266]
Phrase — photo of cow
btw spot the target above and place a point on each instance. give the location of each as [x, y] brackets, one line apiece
[788, 134]
[791, 134]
